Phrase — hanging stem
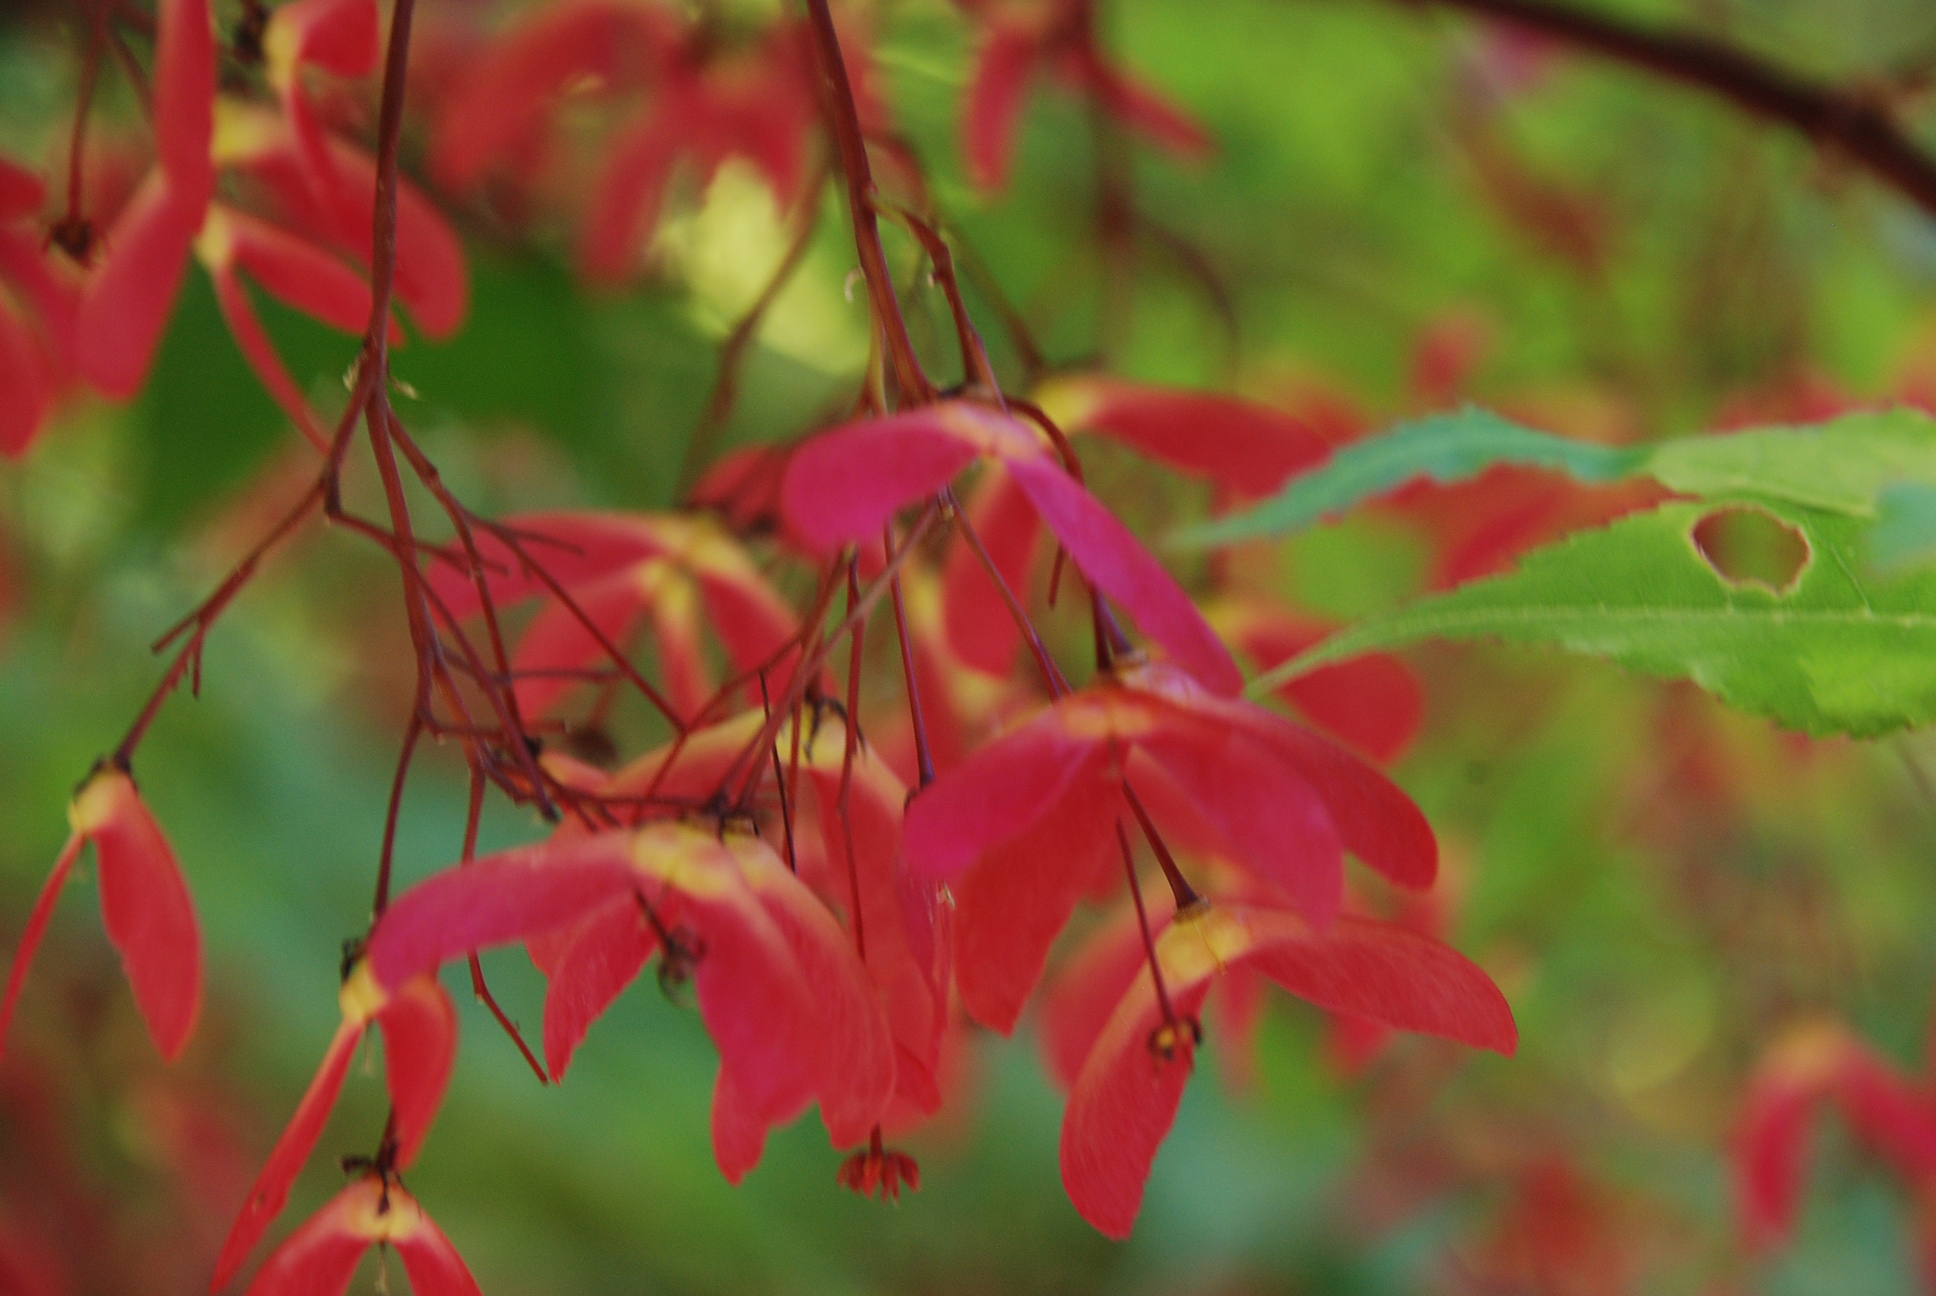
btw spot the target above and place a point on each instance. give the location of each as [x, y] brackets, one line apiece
[923, 757]
[843, 119]
[1142, 921]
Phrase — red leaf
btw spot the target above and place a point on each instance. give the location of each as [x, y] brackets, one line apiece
[150, 918]
[996, 96]
[184, 91]
[1118, 565]
[271, 1191]
[497, 899]
[420, 1047]
[604, 956]
[128, 298]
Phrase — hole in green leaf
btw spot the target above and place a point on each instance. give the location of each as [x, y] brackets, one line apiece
[1746, 545]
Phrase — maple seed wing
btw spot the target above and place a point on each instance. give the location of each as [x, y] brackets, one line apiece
[433, 1264]
[1084, 995]
[270, 1192]
[858, 1048]
[1771, 1160]
[1125, 1101]
[1270, 818]
[1375, 819]
[625, 204]
[499, 898]
[1384, 973]
[845, 484]
[320, 1258]
[997, 794]
[1011, 907]
[128, 298]
[184, 91]
[23, 957]
[996, 97]
[302, 275]
[739, 1133]
[419, 1026]
[150, 918]
[1115, 561]
[604, 957]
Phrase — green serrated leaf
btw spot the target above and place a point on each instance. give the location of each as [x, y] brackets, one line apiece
[1832, 652]
[1445, 447]
[1841, 466]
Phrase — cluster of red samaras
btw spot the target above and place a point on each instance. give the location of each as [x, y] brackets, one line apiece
[259, 190]
[267, 189]
[834, 926]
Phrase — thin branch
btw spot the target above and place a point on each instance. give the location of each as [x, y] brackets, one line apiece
[1849, 122]
[843, 120]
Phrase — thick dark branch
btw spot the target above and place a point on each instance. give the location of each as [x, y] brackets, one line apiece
[1856, 125]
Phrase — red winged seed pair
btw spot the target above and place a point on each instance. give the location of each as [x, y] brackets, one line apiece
[303, 245]
[826, 974]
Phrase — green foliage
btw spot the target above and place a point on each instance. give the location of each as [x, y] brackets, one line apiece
[1832, 652]
[1841, 466]
[1446, 448]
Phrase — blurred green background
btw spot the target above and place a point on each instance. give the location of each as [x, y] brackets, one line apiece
[1658, 886]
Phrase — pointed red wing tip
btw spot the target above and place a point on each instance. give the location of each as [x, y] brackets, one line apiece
[36, 927]
[270, 1191]
[145, 901]
[420, 1044]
